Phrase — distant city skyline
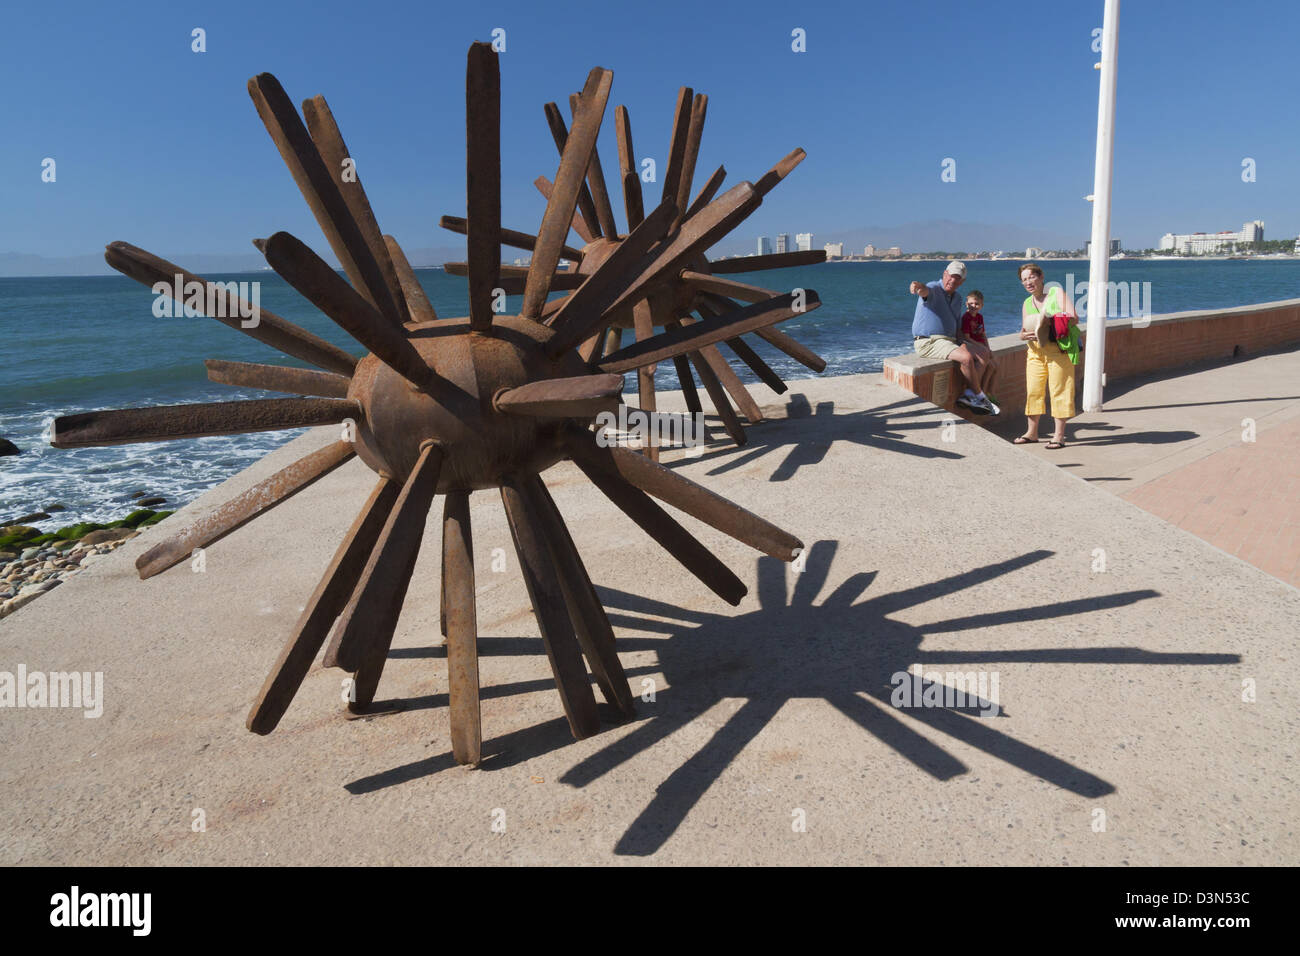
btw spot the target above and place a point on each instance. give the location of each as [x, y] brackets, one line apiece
[195, 172]
[1201, 242]
[1184, 243]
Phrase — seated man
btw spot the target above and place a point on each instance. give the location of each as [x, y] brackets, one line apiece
[934, 334]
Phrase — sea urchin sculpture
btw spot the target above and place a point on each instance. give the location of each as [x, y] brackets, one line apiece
[450, 406]
[693, 285]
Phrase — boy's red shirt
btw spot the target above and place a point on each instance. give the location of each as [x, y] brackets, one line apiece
[972, 327]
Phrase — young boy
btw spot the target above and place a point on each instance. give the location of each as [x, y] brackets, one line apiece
[977, 342]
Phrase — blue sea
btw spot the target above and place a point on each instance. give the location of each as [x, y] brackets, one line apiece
[73, 344]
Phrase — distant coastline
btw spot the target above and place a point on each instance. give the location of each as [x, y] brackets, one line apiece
[1264, 258]
[127, 357]
[1267, 257]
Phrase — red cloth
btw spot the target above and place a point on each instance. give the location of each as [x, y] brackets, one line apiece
[1062, 322]
[972, 327]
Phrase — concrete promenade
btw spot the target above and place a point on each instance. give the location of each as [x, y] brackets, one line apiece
[1214, 450]
[1147, 711]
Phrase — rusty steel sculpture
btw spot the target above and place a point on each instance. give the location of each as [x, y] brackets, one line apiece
[451, 406]
[695, 286]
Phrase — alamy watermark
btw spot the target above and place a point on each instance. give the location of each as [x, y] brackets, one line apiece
[952, 689]
[220, 300]
[635, 428]
[78, 689]
[75, 908]
[1123, 299]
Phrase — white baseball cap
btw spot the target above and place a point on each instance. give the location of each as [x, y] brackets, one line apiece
[957, 267]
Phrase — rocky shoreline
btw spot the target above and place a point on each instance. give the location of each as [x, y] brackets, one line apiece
[35, 562]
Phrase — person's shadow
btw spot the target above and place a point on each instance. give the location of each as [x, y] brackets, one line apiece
[840, 648]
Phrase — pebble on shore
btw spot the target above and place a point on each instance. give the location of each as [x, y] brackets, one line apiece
[27, 572]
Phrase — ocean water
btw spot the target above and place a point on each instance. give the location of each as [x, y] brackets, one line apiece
[72, 344]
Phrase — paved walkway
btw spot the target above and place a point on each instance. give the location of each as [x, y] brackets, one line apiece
[1215, 451]
[765, 733]
[1245, 500]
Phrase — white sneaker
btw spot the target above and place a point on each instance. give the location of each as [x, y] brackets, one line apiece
[981, 406]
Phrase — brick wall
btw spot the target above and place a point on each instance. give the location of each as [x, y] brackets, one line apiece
[1162, 342]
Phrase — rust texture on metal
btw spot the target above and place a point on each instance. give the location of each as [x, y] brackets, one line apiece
[633, 200]
[125, 426]
[707, 191]
[682, 366]
[483, 182]
[461, 629]
[590, 623]
[580, 397]
[228, 308]
[662, 527]
[643, 328]
[319, 187]
[560, 133]
[596, 182]
[695, 130]
[583, 313]
[367, 623]
[768, 180]
[774, 260]
[509, 237]
[417, 301]
[576, 223]
[676, 279]
[730, 381]
[716, 328]
[330, 292]
[449, 406]
[322, 608]
[325, 134]
[278, 378]
[717, 394]
[243, 508]
[696, 501]
[544, 590]
[677, 143]
[570, 178]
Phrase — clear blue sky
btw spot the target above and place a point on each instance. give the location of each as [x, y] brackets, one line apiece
[161, 146]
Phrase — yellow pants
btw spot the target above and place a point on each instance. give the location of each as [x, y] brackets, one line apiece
[1049, 366]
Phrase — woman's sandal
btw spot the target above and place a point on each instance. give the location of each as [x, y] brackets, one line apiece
[1053, 445]
[1025, 440]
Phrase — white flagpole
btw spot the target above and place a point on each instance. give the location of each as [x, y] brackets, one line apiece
[1098, 268]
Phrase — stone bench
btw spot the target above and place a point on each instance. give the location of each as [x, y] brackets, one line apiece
[1133, 347]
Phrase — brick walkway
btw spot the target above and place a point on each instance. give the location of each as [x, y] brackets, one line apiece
[1244, 499]
[1172, 445]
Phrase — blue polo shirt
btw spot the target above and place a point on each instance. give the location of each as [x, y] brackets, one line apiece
[937, 314]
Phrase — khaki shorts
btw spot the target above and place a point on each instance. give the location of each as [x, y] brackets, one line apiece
[935, 346]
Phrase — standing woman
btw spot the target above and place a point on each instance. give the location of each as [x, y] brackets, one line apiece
[1046, 366]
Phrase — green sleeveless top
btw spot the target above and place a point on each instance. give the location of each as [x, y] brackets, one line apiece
[1051, 305]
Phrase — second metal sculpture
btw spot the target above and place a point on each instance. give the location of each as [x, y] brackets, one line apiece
[696, 285]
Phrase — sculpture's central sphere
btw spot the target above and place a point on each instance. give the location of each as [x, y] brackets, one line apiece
[481, 445]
